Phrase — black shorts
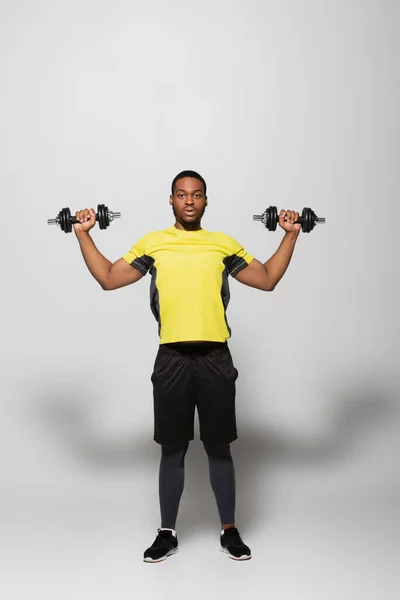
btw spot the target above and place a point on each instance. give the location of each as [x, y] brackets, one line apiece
[190, 375]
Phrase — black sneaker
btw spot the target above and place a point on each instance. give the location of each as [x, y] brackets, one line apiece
[163, 546]
[232, 544]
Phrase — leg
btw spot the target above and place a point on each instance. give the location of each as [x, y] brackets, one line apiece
[173, 428]
[215, 395]
[171, 483]
[173, 425]
[222, 478]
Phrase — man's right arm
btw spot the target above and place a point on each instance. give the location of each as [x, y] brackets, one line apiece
[110, 276]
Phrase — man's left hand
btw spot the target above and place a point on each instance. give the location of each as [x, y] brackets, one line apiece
[287, 220]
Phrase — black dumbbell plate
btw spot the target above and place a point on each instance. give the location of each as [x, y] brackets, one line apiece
[65, 220]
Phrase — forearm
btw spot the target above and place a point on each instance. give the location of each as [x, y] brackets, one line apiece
[277, 265]
[97, 264]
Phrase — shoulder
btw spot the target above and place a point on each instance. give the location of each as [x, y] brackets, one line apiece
[227, 240]
[220, 235]
[152, 237]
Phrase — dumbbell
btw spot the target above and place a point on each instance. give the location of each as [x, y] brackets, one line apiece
[65, 220]
[270, 219]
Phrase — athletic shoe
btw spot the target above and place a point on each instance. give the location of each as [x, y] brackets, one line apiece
[165, 544]
[232, 544]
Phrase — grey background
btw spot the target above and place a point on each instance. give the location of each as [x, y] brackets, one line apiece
[280, 102]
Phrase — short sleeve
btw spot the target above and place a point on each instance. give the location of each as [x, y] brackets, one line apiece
[138, 256]
[238, 258]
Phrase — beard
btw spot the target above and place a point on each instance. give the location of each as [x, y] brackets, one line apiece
[188, 225]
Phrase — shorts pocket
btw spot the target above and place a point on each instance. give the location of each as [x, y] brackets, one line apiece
[224, 362]
[160, 364]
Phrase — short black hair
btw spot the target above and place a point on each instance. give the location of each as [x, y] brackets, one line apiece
[193, 174]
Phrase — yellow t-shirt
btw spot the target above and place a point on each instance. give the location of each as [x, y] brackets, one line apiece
[189, 288]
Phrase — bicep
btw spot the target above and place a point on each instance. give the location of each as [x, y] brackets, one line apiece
[255, 275]
[121, 274]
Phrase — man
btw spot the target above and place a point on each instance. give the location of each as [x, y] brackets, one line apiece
[189, 295]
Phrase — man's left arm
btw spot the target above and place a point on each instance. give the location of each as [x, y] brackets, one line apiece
[265, 276]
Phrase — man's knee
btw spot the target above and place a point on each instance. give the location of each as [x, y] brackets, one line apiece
[218, 451]
[174, 453]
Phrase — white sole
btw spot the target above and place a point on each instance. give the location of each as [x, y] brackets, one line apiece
[158, 560]
[243, 557]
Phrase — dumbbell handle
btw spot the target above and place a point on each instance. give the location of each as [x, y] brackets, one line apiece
[111, 216]
[300, 220]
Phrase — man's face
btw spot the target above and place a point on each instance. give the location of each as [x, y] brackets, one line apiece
[188, 202]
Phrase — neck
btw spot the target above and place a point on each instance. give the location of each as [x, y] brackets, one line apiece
[188, 226]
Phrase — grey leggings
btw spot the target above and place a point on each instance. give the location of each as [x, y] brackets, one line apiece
[172, 477]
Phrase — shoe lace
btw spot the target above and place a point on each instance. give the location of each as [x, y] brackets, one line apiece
[162, 535]
[233, 535]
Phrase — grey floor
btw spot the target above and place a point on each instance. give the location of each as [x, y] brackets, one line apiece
[93, 550]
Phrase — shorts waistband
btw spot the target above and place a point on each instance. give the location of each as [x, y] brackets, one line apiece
[193, 348]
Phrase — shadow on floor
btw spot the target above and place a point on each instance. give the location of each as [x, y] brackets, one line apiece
[358, 413]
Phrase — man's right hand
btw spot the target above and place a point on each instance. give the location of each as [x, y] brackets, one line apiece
[86, 220]
[110, 276]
